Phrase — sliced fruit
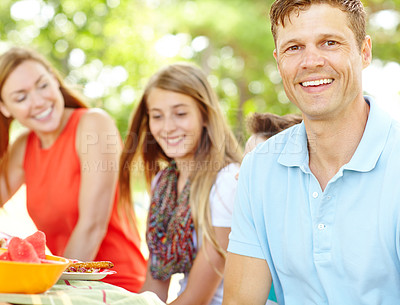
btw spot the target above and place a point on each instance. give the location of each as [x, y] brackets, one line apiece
[38, 241]
[5, 256]
[22, 251]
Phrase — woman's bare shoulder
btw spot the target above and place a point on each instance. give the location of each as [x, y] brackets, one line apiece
[97, 121]
[96, 116]
[19, 144]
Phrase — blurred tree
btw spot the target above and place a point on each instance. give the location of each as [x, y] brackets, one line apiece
[109, 48]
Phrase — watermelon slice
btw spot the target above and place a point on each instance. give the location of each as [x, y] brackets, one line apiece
[4, 256]
[38, 241]
[22, 251]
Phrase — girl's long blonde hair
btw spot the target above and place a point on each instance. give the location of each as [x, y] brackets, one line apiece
[218, 146]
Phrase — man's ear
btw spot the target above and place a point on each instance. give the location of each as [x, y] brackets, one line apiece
[366, 51]
[4, 110]
[276, 59]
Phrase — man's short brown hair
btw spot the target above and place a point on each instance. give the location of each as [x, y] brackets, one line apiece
[281, 9]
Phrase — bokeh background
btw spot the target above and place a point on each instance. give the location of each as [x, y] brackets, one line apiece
[109, 48]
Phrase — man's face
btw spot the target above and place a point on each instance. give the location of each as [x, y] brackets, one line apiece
[320, 62]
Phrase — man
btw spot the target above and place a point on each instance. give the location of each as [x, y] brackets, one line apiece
[318, 206]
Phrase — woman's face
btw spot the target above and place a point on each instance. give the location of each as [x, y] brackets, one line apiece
[31, 95]
[175, 122]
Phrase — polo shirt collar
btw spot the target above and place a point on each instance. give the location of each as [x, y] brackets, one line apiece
[295, 152]
[373, 140]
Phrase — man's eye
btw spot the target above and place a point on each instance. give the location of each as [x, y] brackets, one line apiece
[330, 43]
[293, 48]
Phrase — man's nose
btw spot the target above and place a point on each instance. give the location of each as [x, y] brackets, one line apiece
[312, 58]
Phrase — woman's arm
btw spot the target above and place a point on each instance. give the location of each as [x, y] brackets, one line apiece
[15, 169]
[160, 288]
[98, 145]
[203, 278]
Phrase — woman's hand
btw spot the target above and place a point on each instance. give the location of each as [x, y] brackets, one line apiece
[160, 288]
[206, 273]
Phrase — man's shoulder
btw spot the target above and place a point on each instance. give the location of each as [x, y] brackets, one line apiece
[394, 134]
[382, 125]
[396, 125]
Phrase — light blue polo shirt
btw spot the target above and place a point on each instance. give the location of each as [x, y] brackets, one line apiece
[337, 247]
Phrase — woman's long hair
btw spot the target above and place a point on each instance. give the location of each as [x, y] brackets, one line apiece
[217, 148]
[9, 61]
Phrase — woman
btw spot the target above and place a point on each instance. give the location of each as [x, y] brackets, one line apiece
[190, 160]
[68, 159]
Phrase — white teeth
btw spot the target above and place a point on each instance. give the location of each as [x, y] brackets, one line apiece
[317, 82]
[43, 114]
[174, 140]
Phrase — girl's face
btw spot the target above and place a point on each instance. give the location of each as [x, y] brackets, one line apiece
[175, 122]
[32, 96]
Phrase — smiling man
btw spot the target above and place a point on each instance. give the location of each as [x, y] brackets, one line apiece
[318, 206]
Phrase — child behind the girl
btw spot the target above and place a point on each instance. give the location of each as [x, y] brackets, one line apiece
[262, 126]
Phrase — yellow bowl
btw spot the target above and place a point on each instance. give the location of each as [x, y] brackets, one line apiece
[30, 278]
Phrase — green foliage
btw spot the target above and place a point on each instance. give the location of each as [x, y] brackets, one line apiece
[120, 42]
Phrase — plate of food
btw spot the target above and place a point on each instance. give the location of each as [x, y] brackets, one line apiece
[87, 271]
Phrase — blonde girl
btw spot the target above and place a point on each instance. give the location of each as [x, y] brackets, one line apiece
[190, 159]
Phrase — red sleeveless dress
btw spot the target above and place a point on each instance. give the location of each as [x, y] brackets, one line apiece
[52, 178]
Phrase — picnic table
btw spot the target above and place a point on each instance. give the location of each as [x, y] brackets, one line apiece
[75, 292]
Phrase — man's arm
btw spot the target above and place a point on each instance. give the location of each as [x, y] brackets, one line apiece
[247, 280]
